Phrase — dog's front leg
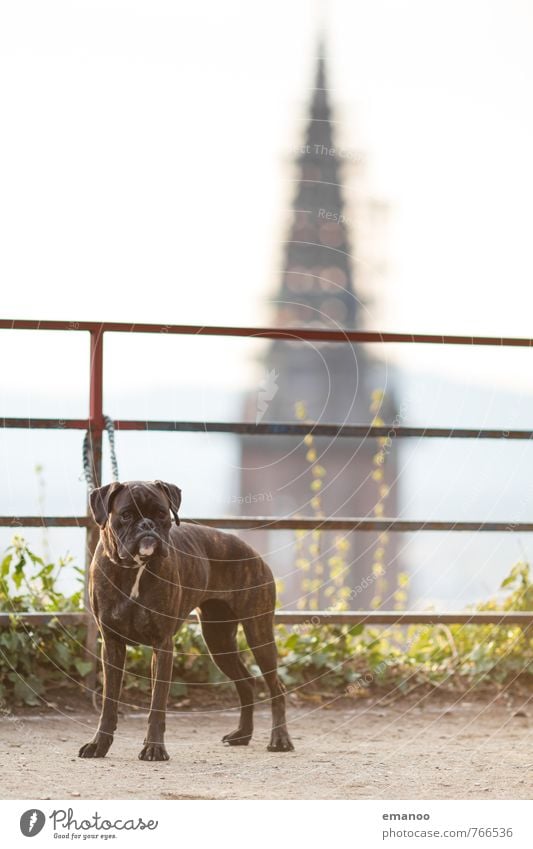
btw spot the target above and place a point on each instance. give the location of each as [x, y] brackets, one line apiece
[113, 657]
[154, 745]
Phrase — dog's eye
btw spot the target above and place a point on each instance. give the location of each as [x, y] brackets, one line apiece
[126, 516]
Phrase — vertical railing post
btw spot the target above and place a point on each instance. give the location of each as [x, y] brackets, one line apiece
[96, 425]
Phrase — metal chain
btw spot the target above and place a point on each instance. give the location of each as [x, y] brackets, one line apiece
[110, 428]
[88, 472]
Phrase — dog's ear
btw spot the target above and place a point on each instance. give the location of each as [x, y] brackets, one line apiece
[101, 499]
[173, 493]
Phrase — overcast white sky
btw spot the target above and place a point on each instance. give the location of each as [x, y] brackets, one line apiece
[145, 164]
[145, 176]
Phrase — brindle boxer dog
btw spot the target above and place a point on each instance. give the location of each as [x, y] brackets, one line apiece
[146, 576]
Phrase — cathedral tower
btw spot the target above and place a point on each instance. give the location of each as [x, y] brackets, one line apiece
[319, 382]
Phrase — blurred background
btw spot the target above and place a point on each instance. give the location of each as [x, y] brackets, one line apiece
[344, 164]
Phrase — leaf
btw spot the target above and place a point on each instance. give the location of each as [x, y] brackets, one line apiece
[4, 567]
[292, 641]
[178, 688]
[286, 676]
[35, 559]
[27, 690]
[510, 579]
[83, 667]
[214, 675]
[63, 654]
[18, 574]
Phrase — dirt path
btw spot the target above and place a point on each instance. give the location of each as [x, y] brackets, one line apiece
[476, 750]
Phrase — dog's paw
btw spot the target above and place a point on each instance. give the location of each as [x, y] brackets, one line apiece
[237, 738]
[96, 748]
[280, 741]
[154, 752]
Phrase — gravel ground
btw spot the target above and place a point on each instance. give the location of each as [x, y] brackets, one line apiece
[426, 749]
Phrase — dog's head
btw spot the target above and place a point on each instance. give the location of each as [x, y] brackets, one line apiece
[134, 519]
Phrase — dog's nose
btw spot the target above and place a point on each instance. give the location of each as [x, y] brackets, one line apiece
[146, 525]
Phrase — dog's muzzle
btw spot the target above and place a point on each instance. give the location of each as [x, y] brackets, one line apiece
[148, 545]
[144, 542]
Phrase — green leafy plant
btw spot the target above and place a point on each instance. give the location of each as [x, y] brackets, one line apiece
[34, 656]
[323, 574]
[458, 656]
[315, 659]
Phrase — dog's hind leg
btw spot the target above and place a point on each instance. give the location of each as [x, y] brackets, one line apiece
[259, 632]
[220, 637]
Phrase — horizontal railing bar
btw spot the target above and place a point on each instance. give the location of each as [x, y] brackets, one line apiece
[359, 431]
[289, 333]
[251, 523]
[46, 424]
[356, 524]
[277, 429]
[44, 618]
[325, 617]
[45, 522]
[405, 617]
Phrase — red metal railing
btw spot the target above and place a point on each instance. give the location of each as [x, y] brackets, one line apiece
[95, 423]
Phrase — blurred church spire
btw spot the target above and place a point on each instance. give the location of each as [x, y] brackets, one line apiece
[317, 284]
[320, 381]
